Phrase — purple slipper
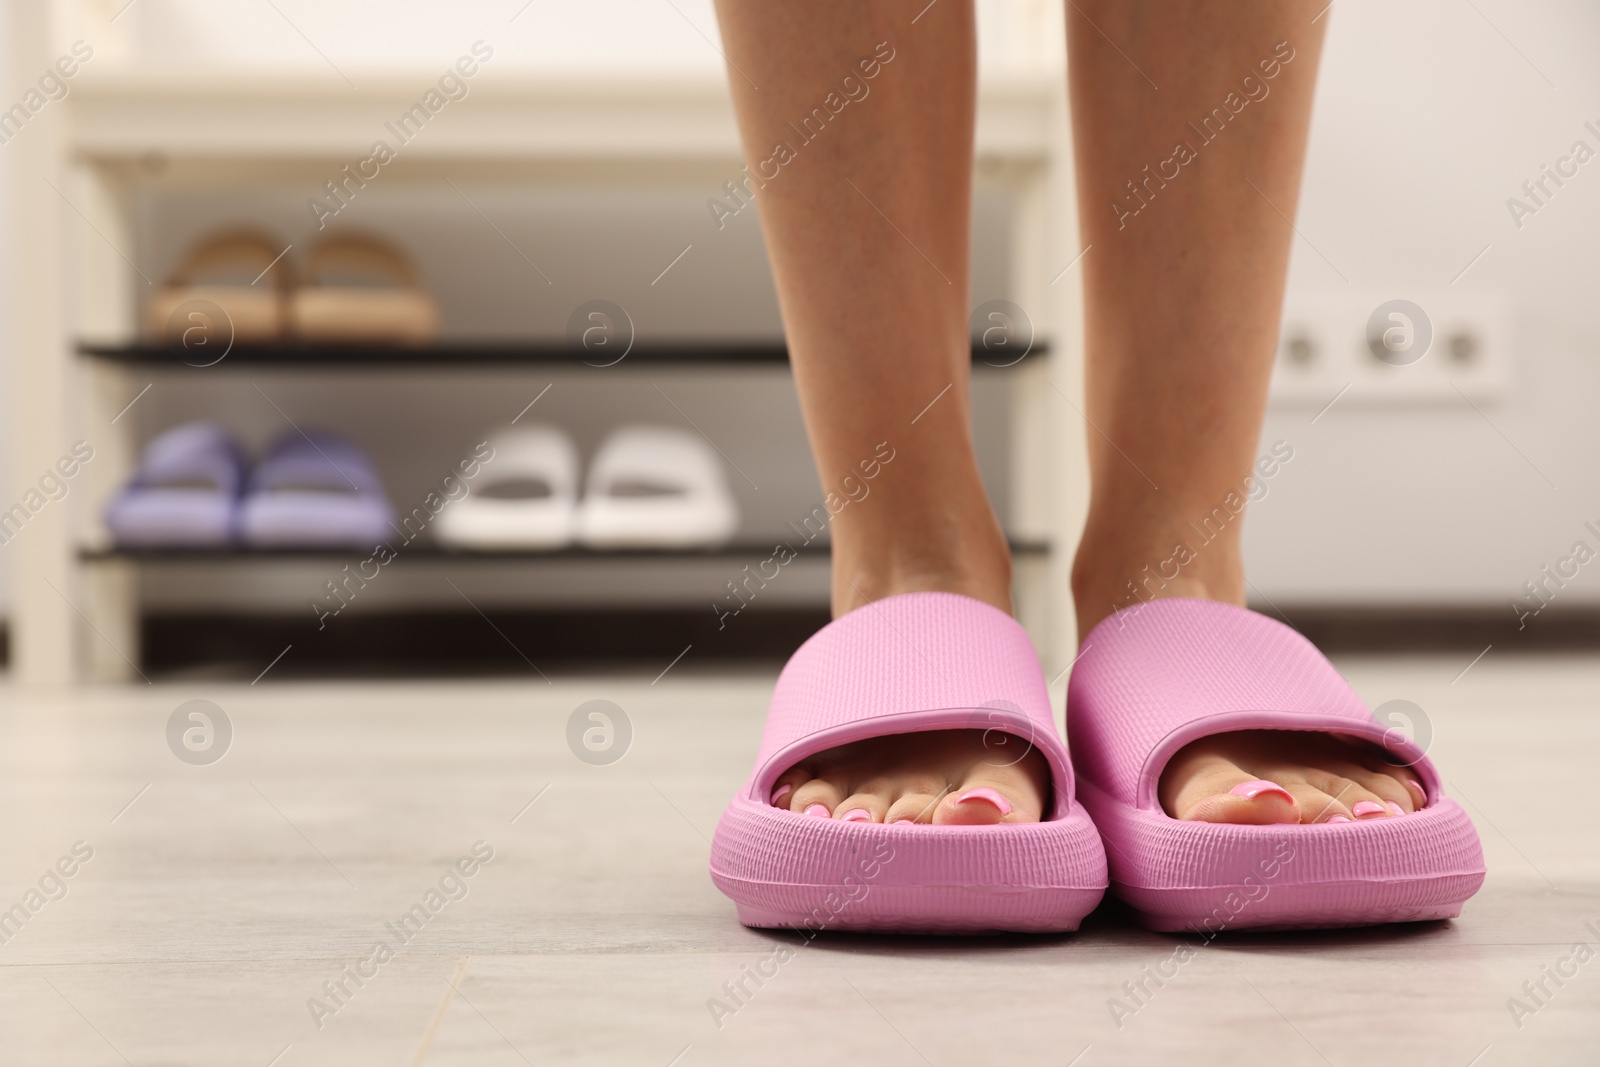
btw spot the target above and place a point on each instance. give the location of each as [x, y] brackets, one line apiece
[315, 490]
[185, 492]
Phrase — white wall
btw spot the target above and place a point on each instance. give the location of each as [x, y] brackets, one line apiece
[1428, 119]
[354, 35]
[1430, 115]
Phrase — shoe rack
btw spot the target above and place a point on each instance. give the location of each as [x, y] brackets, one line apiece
[79, 359]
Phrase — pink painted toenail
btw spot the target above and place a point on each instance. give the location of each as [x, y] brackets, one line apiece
[1251, 790]
[1339, 818]
[781, 792]
[984, 793]
[1394, 809]
[819, 809]
[1363, 808]
[1420, 794]
[856, 815]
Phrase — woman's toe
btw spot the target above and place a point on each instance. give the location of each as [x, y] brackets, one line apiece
[973, 805]
[783, 789]
[816, 797]
[1238, 797]
[1318, 806]
[1398, 786]
[1377, 782]
[1373, 809]
[989, 794]
[1390, 791]
[1355, 799]
[861, 807]
[914, 807]
[1204, 786]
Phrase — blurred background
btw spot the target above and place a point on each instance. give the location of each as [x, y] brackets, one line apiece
[582, 160]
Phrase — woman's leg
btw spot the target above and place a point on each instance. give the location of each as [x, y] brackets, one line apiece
[859, 123]
[1185, 193]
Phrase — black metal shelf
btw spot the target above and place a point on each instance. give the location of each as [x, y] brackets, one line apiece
[423, 550]
[310, 355]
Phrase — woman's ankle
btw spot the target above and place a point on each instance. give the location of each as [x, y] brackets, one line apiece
[932, 530]
[1109, 579]
[977, 564]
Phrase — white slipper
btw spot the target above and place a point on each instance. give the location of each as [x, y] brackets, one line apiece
[527, 497]
[656, 487]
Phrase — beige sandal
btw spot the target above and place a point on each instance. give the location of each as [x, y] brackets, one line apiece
[241, 272]
[361, 289]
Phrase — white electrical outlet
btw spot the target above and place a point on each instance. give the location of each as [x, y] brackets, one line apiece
[1378, 348]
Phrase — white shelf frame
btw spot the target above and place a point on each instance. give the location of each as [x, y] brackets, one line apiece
[72, 622]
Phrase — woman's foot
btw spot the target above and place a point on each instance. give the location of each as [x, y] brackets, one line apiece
[899, 542]
[1253, 776]
[944, 777]
[1279, 776]
[942, 670]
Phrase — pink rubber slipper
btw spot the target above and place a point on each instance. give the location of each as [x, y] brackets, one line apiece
[1154, 677]
[920, 661]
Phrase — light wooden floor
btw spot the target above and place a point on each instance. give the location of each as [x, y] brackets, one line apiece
[219, 898]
